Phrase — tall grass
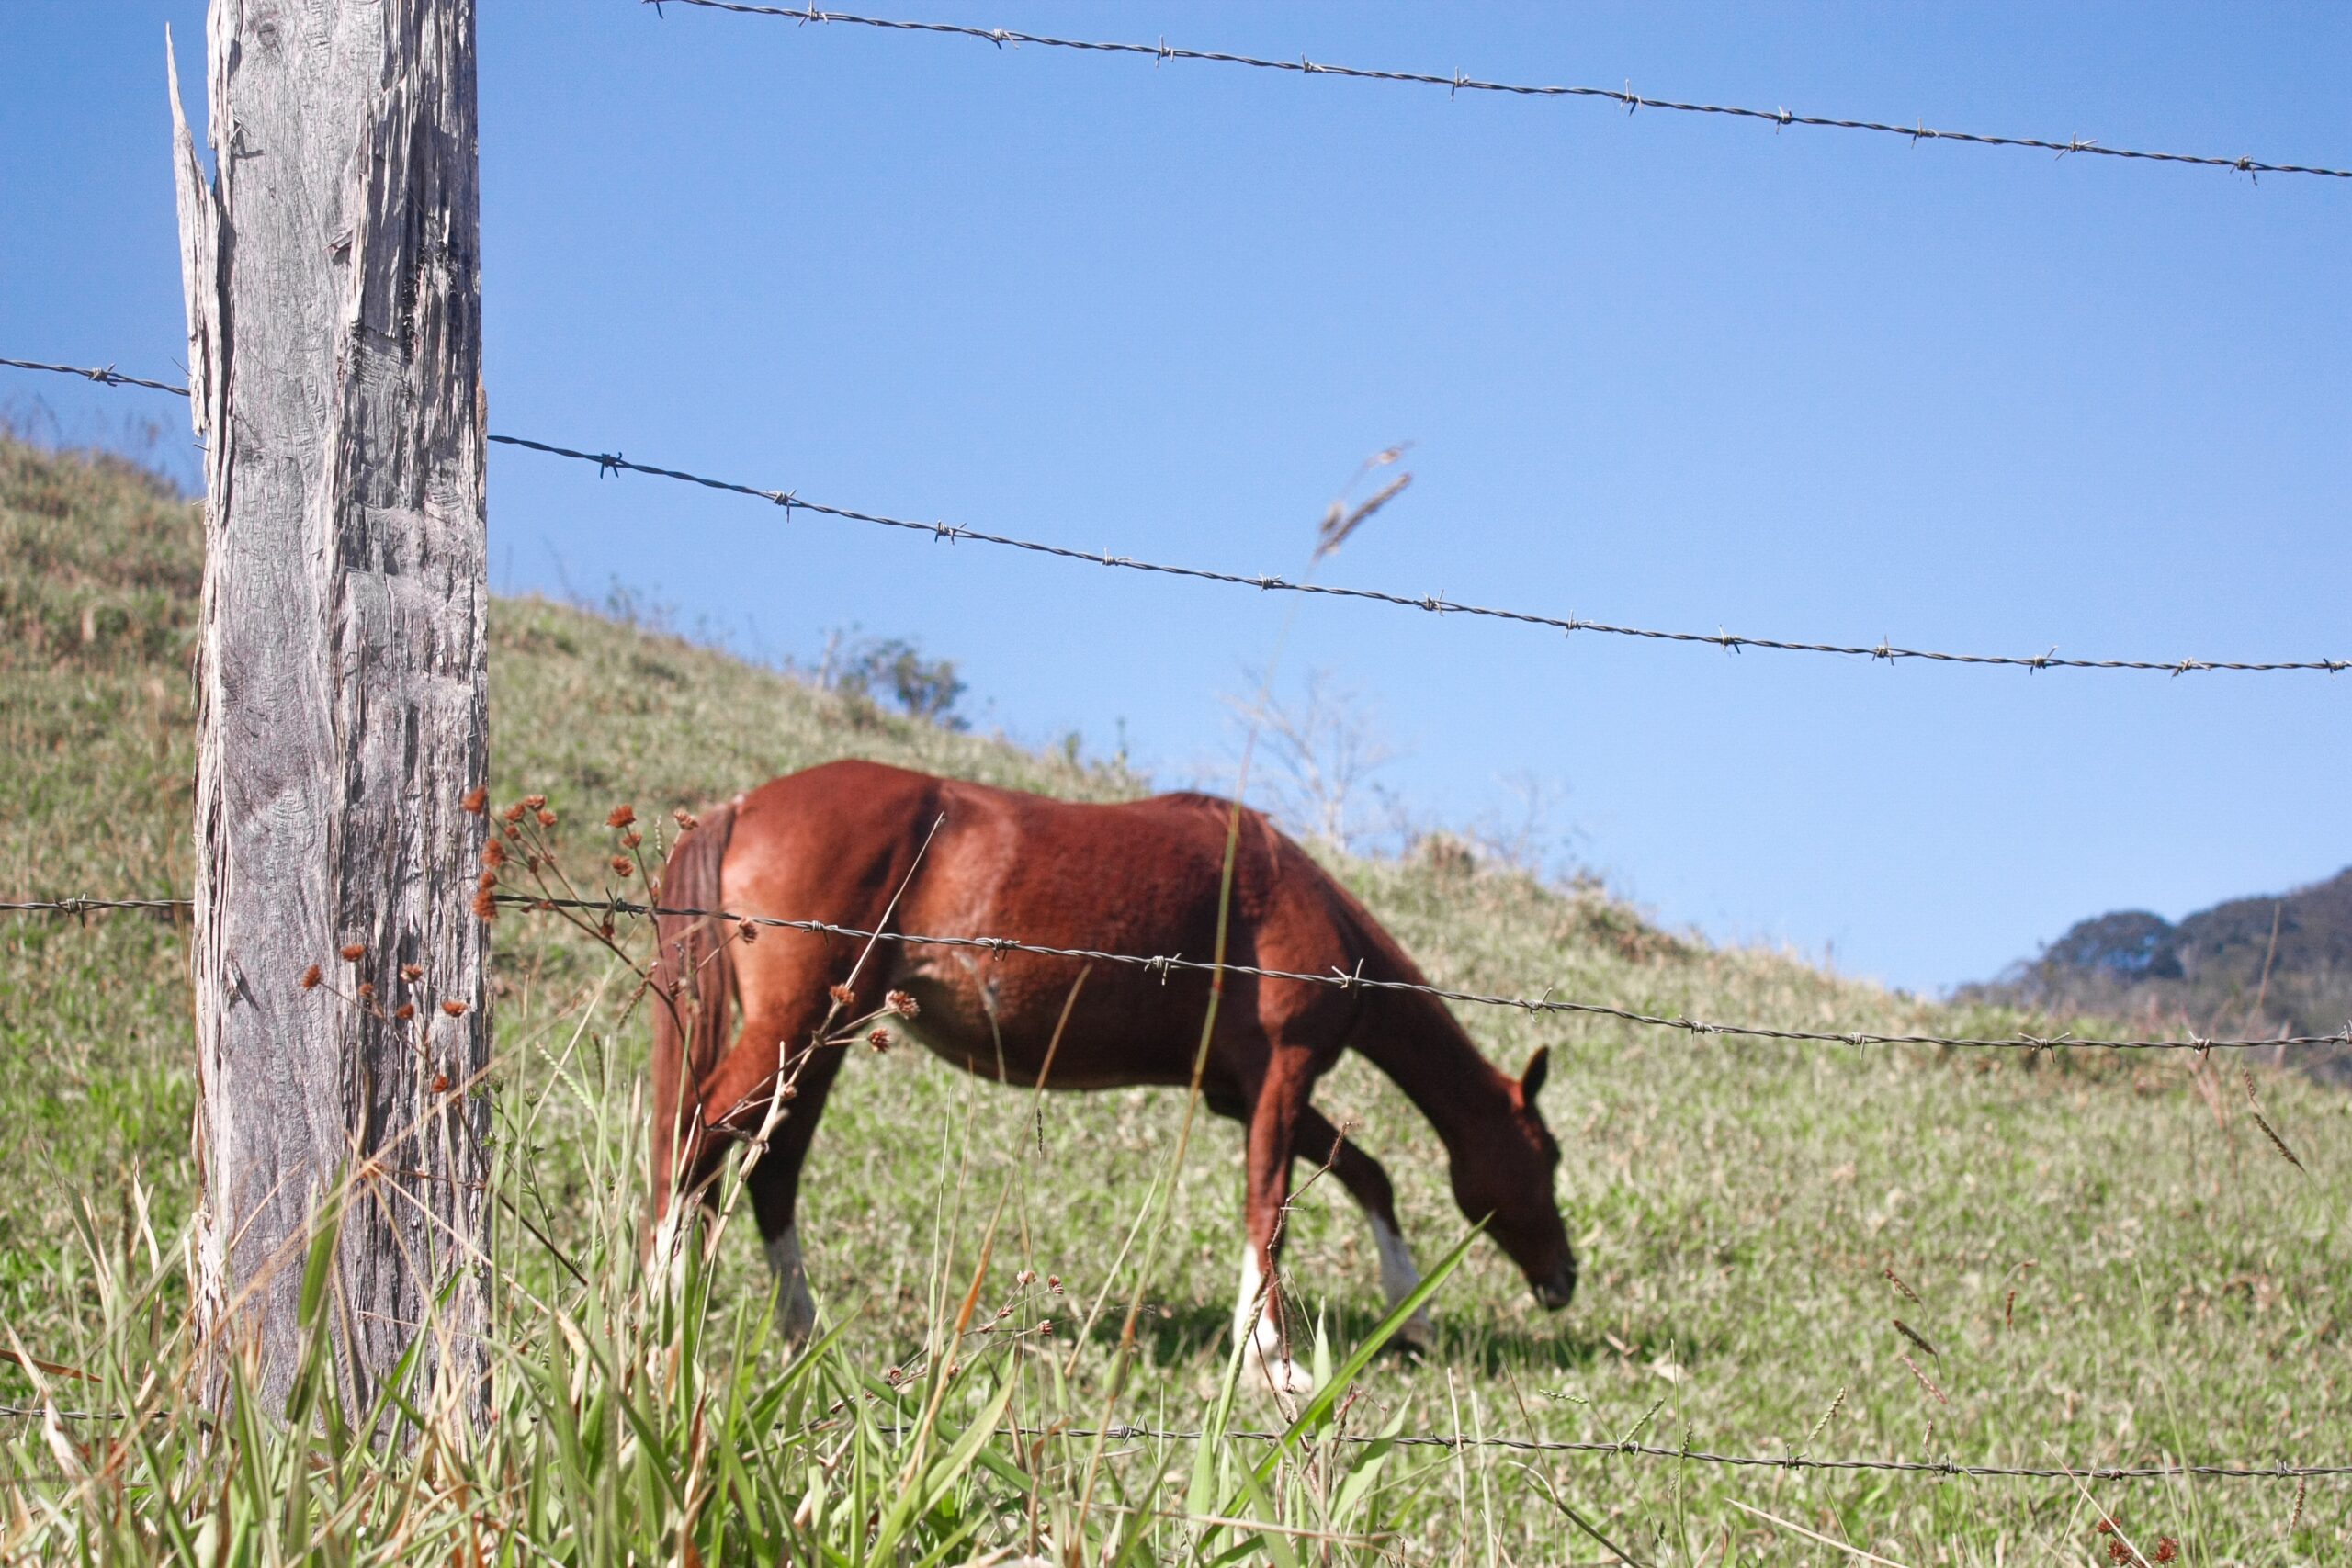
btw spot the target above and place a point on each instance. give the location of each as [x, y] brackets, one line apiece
[1737, 1207]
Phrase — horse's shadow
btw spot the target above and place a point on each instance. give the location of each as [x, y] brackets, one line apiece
[1176, 1334]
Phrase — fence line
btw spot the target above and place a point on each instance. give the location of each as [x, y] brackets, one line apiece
[1764, 1461]
[615, 463]
[1457, 83]
[1950, 1467]
[1167, 964]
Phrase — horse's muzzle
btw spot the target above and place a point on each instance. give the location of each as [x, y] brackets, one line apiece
[1558, 1291]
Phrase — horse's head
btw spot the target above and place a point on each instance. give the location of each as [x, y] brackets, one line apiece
[1506, 1180]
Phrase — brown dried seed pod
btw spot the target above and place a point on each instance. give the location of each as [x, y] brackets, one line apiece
[547, 818]
[621, 817]
[840, 994]
[454, 1009]
[533, 802]
[411, 971]
[354, 952]
[900, 1003]
[685, 819]
[476, 799]
[405, 1011]
[621, 866]
[311, 978]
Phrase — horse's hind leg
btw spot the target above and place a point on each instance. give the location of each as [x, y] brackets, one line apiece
[774, 1185]
[1368, 1184]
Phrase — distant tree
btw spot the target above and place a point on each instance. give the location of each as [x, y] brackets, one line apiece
[873, 669]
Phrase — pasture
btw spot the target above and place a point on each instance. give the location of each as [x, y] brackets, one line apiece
[2098, 1258]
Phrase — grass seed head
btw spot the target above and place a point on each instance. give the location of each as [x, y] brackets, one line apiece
[684, 819]
[311, 978]
[411, 971]
[486, 905]
[840, 994]
[354, 952]
[476, 801]
[454, 1009]
[621, 817]
[880, 1040]
[621, 866]
[535, 803]
[494, 854]
[405, 1011]
[547, 818]
[900, 1003]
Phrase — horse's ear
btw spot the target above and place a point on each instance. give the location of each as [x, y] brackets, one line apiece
[1530, 1082]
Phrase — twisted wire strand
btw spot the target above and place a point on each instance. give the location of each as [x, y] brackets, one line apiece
[1768, 1461]
[615, 463]
[1458, 82]
[1166, 964]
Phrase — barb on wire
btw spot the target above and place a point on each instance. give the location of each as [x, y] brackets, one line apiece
[1457, 83]
[612, 463]
[1761, 1461]
[78, 907]
[104, 375]
[1347, 981]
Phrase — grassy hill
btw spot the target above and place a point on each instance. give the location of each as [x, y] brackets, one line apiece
[2110, 1258]
[2247, 968]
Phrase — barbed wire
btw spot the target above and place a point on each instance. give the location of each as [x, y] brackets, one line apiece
[1950, 1467]
[1762, 1461]
[78, 907]
[1165, 964]
[1457, 83]
[104, 375]
[614, 463]
[1546, 1003]
[1435, 604]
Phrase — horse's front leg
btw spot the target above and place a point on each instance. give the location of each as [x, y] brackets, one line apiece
[1260, 1318]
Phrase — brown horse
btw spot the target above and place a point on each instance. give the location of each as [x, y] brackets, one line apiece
[837, 843]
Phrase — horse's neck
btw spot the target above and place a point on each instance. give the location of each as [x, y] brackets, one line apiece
[1426, 1054]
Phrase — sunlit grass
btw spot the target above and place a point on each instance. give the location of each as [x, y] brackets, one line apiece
[1738, 1206]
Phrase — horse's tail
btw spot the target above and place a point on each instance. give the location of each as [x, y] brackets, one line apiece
[694, 992]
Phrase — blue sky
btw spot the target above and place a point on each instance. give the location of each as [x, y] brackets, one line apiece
[1658, 369]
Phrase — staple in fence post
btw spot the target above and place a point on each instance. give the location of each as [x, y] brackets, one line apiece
[341, 690]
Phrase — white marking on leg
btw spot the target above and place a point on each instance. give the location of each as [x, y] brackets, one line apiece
[796, 1308]
[1399, 1279]
[1254, 1324]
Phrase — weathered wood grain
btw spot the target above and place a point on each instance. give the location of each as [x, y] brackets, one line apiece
[332, 278]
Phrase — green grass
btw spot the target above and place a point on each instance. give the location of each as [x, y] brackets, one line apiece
[1737, 1208]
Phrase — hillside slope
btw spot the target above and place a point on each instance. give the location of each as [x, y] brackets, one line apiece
[2275, 965]
[2112, 1262]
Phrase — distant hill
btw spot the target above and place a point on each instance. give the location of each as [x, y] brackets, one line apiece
[2279, 964]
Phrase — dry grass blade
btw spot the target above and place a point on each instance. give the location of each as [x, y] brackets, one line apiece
[2254, 1107]
[1916, 1337]
[1854, 1551]
[1925, 1382]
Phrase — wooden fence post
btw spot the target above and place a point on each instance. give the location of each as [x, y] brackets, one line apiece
[332, 278]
